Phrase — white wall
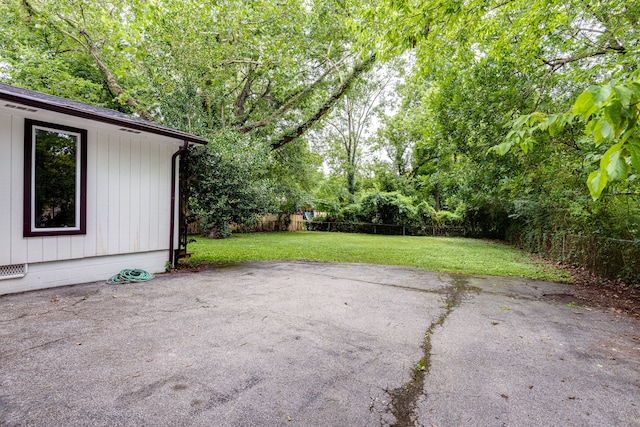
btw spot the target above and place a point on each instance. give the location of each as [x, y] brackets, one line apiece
[70, 272]
[128, 197]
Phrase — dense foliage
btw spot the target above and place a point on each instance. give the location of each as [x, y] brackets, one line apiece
[257, 72]
[227, 184]
[515, 119]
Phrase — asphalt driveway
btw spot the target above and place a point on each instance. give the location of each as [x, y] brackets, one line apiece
[314, 344]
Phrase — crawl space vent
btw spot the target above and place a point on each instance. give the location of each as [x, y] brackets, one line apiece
[12, 271]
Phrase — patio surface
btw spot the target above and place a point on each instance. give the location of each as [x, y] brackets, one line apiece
[315, 344]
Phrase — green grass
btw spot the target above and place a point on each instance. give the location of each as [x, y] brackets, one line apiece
[446, 254]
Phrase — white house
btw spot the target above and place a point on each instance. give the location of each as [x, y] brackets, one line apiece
[84, 191]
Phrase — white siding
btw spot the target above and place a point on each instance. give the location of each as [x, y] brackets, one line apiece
[64, 247]
[145, 197]
[35, 249]
[77, 246]
[83, 270]
[164, 189]
[128, 196]
[49, 248]
[101, 210]
[18, 249]
[6, 183]
[154, 196]
[124, 196]
[90, 244]
[113, 194]
[134, 197]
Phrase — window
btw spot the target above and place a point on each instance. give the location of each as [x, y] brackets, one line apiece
[55, 172]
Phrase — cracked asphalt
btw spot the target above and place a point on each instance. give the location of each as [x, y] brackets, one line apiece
[315, 344]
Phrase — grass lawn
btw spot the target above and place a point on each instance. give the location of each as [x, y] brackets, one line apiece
[446, 254]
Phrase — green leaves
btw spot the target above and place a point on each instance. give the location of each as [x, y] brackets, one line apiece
[502, 148]
[610, 116]
[614, 163]
[585, 105]
[600, 94]
[524, 129]
[601, 132]
[624, 94]
[634, 153]
[613, 121]
[596, 182]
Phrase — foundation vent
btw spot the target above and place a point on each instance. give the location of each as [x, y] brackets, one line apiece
[13, 271]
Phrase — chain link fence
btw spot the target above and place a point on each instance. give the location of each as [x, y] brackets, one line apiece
[383, 229]
[298, 223]
[611, 258]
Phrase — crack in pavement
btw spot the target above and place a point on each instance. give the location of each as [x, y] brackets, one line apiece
[391, 285]
[370, 282]
[403, 400]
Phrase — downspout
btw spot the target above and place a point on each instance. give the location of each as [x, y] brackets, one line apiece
[172, 222]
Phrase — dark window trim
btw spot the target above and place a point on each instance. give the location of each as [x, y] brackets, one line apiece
[27, 231]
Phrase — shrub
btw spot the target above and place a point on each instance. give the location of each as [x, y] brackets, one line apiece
[225, 186]
[388, 208]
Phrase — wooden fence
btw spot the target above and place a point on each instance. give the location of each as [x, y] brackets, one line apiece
[272, 223]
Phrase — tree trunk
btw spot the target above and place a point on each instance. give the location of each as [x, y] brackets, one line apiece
[351, 181]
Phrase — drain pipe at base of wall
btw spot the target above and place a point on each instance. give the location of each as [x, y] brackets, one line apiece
[172, 253]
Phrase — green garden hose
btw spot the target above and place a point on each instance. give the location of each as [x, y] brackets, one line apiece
[130, 276]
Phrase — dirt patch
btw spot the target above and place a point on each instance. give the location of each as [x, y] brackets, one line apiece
[612, 295]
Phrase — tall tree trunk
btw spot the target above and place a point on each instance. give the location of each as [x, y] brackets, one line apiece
[351, 181]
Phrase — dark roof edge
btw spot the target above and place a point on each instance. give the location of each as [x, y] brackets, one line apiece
[102, 115]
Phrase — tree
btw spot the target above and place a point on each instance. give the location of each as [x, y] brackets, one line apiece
[294, 173]
[273, 81]
[228, 185]
[262, 69]
[563, 47]
[609, 114]
[347, 128]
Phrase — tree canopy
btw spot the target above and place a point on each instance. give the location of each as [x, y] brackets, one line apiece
[269, 68]
[504, 111]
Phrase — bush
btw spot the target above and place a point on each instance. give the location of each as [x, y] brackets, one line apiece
[388, 208]
[350, 213]
[447, 218]
[486, 218]
[225, 187]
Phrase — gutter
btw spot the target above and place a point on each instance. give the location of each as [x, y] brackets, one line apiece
[172, 222]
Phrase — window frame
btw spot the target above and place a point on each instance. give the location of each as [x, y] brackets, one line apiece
[29, 228]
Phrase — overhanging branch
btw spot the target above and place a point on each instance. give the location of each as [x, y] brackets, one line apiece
[557, 63]
[291, 102]
[292, 134]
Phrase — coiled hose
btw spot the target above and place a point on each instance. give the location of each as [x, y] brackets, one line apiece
[130, 276]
